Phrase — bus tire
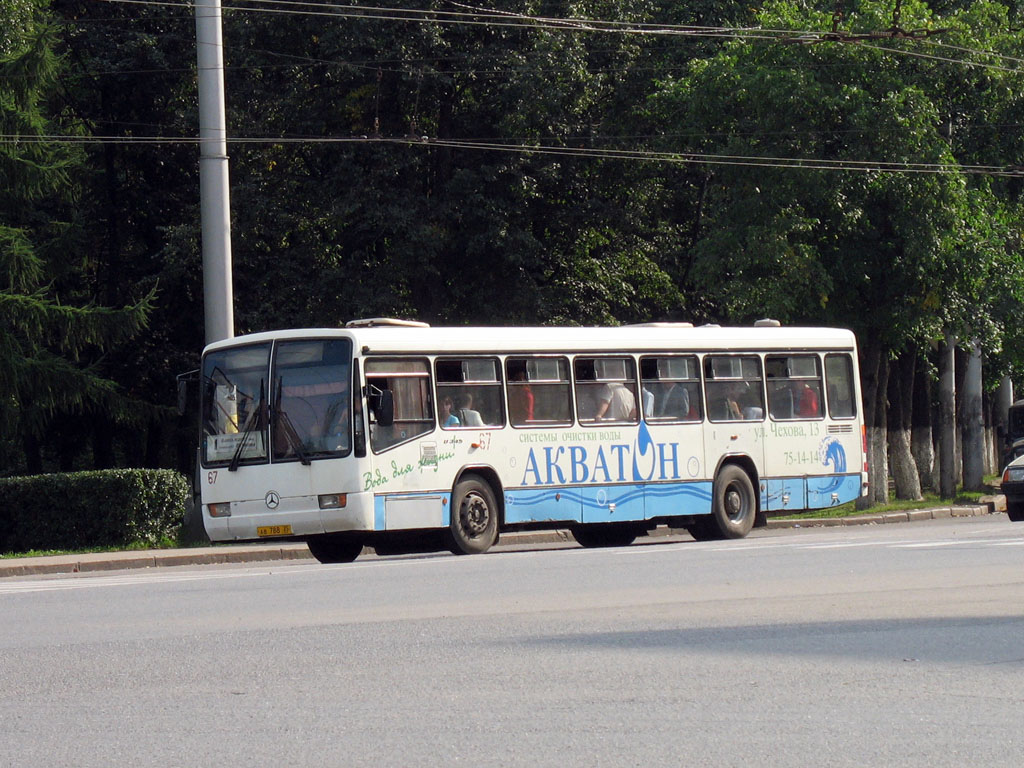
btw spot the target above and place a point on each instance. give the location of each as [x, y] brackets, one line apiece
[1015, 511]
[605, 535]
[335, 548]
[474, 517]
[733, 502]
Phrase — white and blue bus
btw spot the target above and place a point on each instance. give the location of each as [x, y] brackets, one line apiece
[391, 433]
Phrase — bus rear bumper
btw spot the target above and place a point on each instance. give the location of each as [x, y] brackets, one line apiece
[293, 517]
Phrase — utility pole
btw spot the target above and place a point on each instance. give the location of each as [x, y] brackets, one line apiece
[215, 210]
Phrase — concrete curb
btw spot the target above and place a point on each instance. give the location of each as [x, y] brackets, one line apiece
[254, 553]
[910, 516]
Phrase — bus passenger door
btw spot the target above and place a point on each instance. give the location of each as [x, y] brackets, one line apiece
[734, 392]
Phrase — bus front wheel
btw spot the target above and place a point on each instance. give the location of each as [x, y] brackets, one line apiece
[335, 548]
[734, 503]
[474, 513]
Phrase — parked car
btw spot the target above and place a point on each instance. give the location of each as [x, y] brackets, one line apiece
[1013, 440]
[1013, 489]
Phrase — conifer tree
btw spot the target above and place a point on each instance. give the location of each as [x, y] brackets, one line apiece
[48, 347]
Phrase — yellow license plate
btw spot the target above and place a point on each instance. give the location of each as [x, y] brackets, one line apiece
[274, 530]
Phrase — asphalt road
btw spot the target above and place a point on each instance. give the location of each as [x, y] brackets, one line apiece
[877, 645]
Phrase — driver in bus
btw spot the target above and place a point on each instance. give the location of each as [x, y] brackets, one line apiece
[336, 435]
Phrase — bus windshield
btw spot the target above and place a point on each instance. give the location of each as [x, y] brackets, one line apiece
[234, 405]
[302, 412]
[311, 412]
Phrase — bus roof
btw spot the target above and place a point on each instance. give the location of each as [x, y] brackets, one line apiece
[387, 339]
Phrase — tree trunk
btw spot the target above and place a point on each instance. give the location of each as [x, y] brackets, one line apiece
[921, 428]
[33, 455]
[102, 445]
[904, 468]
[874, 374]
[947, 418]
[1000, 420]
[974, 428]
[154, 444]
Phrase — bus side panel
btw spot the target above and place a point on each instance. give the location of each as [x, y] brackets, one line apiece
[526, 505]
[832, 491]
[675, 499]
[416, 510]
[779, 493]
[612, 503]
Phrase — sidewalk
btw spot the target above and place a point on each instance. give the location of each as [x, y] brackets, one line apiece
[252, 553]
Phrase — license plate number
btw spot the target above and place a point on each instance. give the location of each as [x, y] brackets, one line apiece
[274, 530]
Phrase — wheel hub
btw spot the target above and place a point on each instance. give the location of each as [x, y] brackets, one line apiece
[733, 504]
[475, 515]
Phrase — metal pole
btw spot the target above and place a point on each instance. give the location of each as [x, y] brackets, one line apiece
[215, 210]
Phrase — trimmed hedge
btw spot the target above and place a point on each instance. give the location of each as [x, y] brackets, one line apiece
[82, 510]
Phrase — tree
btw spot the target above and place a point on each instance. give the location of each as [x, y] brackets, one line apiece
[806, 244]
[375, 226]
[45, 343]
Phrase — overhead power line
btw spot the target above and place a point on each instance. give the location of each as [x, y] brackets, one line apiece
[676, 158]
[473, 16]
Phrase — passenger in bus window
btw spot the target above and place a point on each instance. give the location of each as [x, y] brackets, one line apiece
[676, 402]
[465, 412]
[648, 401]
[446, 417]
[616, 403]
[520, 398]
[806, 400]
[733, 394]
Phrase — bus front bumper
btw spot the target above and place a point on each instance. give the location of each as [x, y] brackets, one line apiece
[291, 517]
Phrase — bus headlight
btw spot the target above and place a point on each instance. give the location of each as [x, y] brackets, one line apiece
[332, 500]
[222, 509]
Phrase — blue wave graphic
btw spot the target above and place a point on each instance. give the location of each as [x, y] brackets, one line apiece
[689, 490]
[833, 454]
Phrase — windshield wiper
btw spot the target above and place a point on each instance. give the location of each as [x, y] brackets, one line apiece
[290, 434]
[293, 437]
[250, 422]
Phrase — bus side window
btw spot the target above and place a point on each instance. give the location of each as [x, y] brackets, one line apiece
[473, 387]
[606, 390]
[670, 388]
[539, 391]
[794, 386]
[733, 388]
[406, 382]
[839, 386]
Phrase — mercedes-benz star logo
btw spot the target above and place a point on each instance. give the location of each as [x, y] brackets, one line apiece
[272, 499]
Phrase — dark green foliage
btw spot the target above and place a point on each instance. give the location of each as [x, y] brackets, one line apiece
[345, 202]
[111, 508]
[52, 330]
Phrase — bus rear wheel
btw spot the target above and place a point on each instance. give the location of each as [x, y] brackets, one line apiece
[474, 513]
[335, 548]
[605, 535]
[733, 503]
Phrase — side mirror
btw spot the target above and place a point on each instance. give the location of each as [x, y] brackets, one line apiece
[386, 408]
[183, 379]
